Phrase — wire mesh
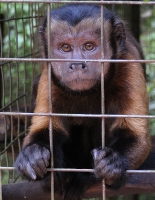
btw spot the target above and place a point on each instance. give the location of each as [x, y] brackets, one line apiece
[18, 39]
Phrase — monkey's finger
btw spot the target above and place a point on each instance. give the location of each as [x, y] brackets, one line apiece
[94, 153]
[100, 169]
[30, 172]
[110, 174]
[46, 156]
[39, 168]
[26, 169]
[38, 164]
[23, 166]
[29, 168]
[42, 159]
[35, 159]
[100, 154]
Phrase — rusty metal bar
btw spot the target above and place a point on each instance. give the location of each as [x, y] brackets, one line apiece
[102, 75]
[50, 96]
[82, 170]
[0, 183]
[90, 2]
[102, 91]
[75, 60]
[78, 115]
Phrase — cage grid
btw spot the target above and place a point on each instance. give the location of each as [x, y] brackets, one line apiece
[17, 39]
[19, 65]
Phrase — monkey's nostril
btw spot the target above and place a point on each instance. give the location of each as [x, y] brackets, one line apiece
[77, 67]
[71, 67]
[83, 66]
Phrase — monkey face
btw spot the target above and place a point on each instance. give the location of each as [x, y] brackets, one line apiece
[79, 42]
[70, 45]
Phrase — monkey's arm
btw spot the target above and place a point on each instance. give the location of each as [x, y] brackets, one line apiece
[129, 137]
[126, 152]
[34, 157]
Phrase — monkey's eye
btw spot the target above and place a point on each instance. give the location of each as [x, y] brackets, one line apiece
[89, 46]
[65, 48]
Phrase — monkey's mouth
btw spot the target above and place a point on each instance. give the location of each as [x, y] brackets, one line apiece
[79, 84]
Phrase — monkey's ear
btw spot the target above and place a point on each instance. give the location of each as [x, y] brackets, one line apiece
[120, 36]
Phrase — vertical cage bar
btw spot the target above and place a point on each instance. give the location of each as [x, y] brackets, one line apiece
[9, 82]
[50, 99]
[25, 77]
[1, 45]
[102, 90]
[0, 182]
[16, 67]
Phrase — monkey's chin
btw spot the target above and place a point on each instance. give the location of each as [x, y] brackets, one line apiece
[81, 84]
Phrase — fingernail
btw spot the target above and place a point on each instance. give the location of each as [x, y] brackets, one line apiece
[94, 152]
[33, 176]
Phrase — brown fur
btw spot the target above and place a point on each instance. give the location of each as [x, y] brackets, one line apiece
[76, 89]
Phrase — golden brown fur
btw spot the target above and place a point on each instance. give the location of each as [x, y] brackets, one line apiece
[76, 89]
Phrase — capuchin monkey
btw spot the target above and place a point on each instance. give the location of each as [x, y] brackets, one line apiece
[76, 89]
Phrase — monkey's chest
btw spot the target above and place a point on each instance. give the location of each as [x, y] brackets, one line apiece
[78, 148]
[82, 140]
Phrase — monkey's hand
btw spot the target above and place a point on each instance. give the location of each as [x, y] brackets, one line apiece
[33, 161]
[108, 165]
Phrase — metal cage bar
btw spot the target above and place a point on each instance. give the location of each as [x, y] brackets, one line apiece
[102, 90]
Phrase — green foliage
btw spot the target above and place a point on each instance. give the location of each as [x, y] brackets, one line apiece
[17, 29]
[19, 41]
[148, 45]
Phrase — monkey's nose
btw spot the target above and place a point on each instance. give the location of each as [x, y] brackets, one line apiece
[77, 67]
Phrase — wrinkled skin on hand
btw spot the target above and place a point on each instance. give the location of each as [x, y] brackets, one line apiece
[33, 161]
[108, 165]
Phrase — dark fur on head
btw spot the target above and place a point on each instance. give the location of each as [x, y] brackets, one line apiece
[74, 14]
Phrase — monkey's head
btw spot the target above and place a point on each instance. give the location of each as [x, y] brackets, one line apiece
[76, 34]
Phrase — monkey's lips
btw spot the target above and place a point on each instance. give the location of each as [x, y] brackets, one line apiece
[80, 84]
